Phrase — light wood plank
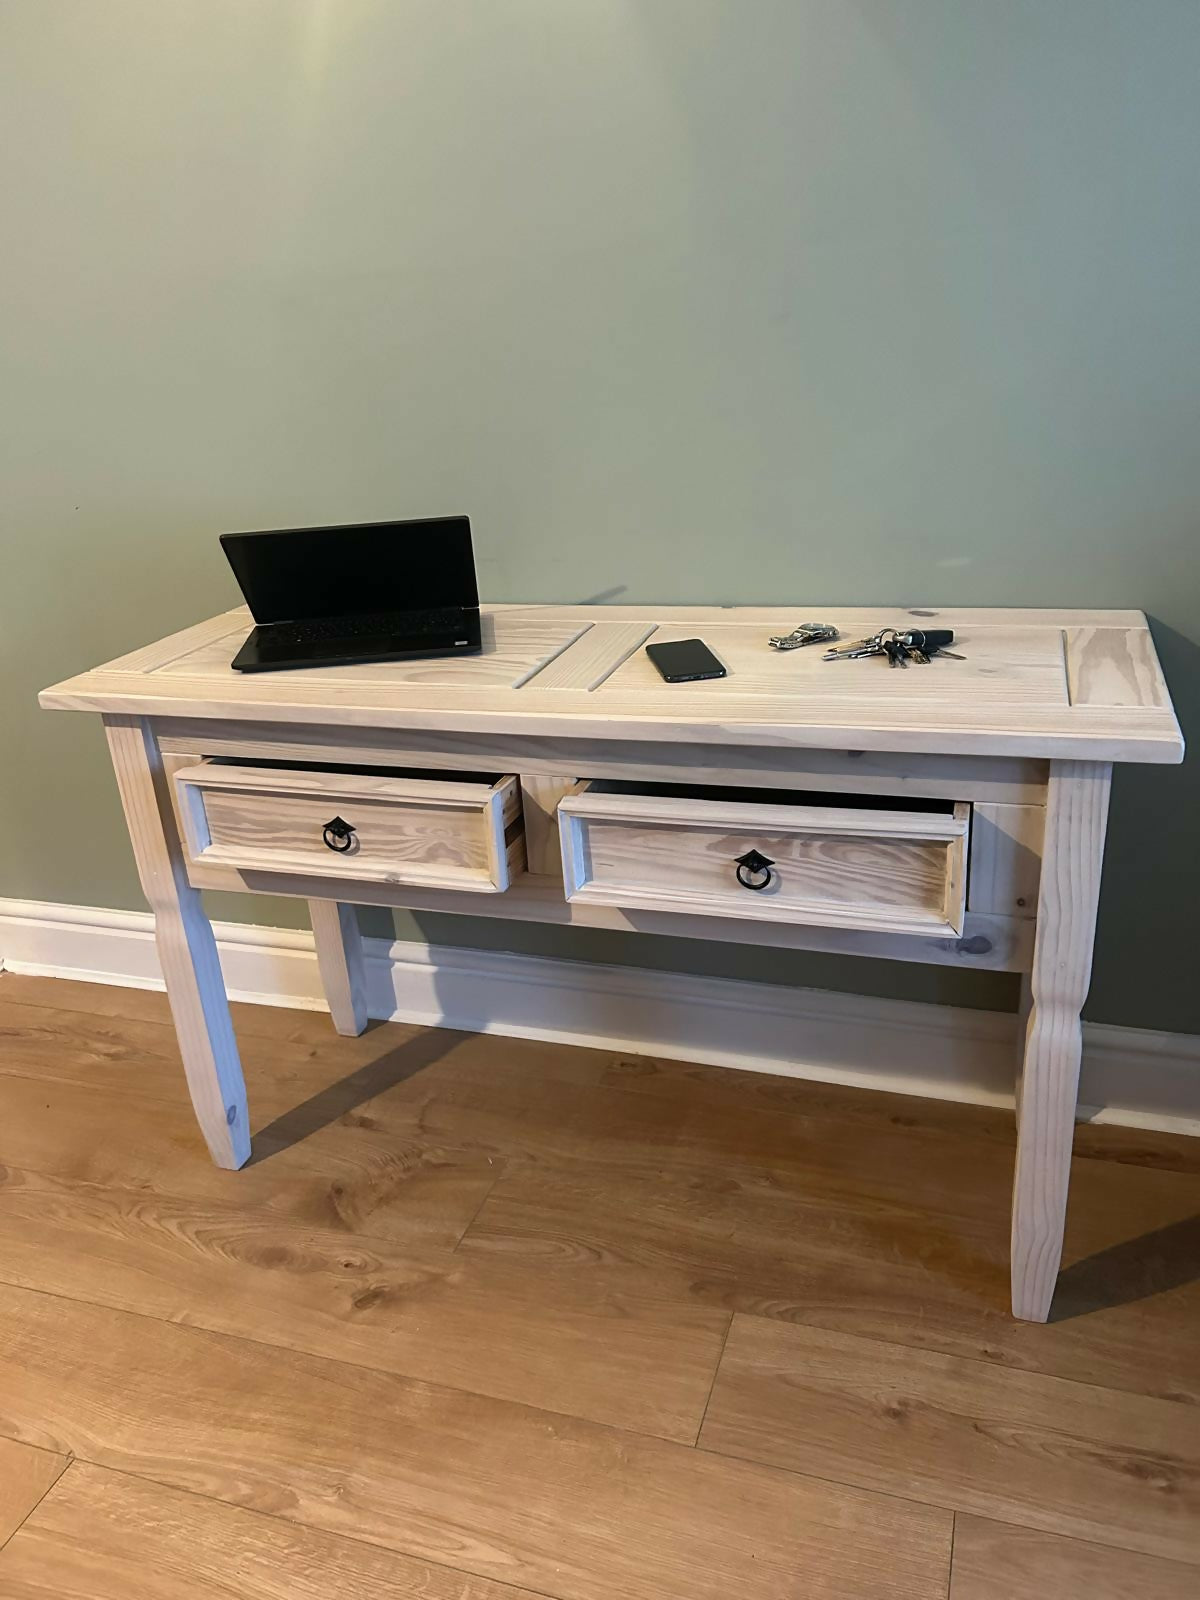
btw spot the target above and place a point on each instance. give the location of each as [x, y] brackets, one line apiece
[1015, 781]
[595, 657]
[186, 947]
[1066, 1457]
[539, 799]
[891, 872]
[405, 830]
[1006, 858]
[1114, 667]
[1008, 698]
[447, 1477]
[627, 1346]
[26, 1474]
[1073, 849]
[339, 943]
[109, 1536]
[996, 1561]
[987, 943]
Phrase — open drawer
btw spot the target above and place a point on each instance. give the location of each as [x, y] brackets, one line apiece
[827, 860]
[379, 825]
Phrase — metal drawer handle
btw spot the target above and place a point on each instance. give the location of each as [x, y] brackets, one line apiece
[754, 865]
[338, 835]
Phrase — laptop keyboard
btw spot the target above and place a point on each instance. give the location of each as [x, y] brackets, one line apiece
[378, 624]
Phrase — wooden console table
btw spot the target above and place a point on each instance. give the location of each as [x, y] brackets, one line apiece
[951, 813]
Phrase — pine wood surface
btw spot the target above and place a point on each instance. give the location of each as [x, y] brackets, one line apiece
[1077, 685]
[484, 1320]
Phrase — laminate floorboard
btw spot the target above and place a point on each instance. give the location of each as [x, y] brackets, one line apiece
[107, 1536]
[996, 1561]
[455, 1330]
[503, 1491]
[25, 1476]
[630, 1346]
[1048, 1453]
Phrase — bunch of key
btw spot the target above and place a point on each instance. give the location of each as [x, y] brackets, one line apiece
[915, 644]
[805, 633]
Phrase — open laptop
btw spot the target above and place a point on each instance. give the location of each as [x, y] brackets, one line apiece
[372, 591]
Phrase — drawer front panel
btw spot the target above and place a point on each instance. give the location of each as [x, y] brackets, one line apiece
[387, 829]
[900, 872]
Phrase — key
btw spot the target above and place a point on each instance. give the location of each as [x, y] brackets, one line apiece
[853, 652]
[895, 652]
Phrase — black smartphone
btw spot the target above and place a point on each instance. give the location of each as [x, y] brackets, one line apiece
[683, 660]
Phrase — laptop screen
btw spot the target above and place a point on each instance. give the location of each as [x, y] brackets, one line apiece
[299, 573]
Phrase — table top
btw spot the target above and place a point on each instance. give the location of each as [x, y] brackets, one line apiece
[1077, 685]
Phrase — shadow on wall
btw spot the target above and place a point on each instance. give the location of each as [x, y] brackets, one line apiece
[1147, 940]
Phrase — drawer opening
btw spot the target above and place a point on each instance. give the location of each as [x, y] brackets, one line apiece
[731, 795]
[418, 774]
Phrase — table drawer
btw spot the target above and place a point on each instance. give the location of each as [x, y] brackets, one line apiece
[834, 861]
[456, 831]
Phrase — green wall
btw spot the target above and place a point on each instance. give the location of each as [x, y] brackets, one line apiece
[811, 300]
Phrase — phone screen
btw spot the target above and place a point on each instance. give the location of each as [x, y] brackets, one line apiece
[683, 660]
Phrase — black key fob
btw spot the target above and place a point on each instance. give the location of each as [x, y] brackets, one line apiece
[929, 639]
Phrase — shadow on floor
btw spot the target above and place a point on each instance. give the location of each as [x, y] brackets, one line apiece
[1133, 1270]
[375, 1078]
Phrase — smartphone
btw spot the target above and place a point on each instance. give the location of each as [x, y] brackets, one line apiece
[683, 660]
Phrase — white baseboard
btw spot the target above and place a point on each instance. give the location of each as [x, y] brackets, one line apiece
[1131, 1076]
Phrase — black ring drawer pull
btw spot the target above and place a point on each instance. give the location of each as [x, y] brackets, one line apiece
[754, 865]
[338, 835]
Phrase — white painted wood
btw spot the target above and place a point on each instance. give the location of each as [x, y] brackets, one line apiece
[339, 948]
[406, 830]
[1130, 1076]
[892, 872]
[1009, 697]
[1076, 820]
[185, 944]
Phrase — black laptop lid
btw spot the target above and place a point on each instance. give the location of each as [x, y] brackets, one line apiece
[298, 573]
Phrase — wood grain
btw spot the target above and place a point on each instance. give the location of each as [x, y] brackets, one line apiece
[1018, 781]
[852, 1254]
[1006, 858]
[1072, 852]
[1008, 698]
[883, 885]
[109, 1536]
[628, 1346]
[25, 1476]
[447, 1477]
[339, 946]
[996, 1561]
[1049, 1453]
[186, 947]
[1114, 667]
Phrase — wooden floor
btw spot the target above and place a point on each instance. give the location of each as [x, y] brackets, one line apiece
[485, 1320]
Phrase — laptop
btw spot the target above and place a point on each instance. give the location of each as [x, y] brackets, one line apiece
[371, 591]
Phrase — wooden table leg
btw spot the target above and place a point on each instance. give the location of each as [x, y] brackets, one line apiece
[186, 947]
[340, 958]
[1076, 818]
